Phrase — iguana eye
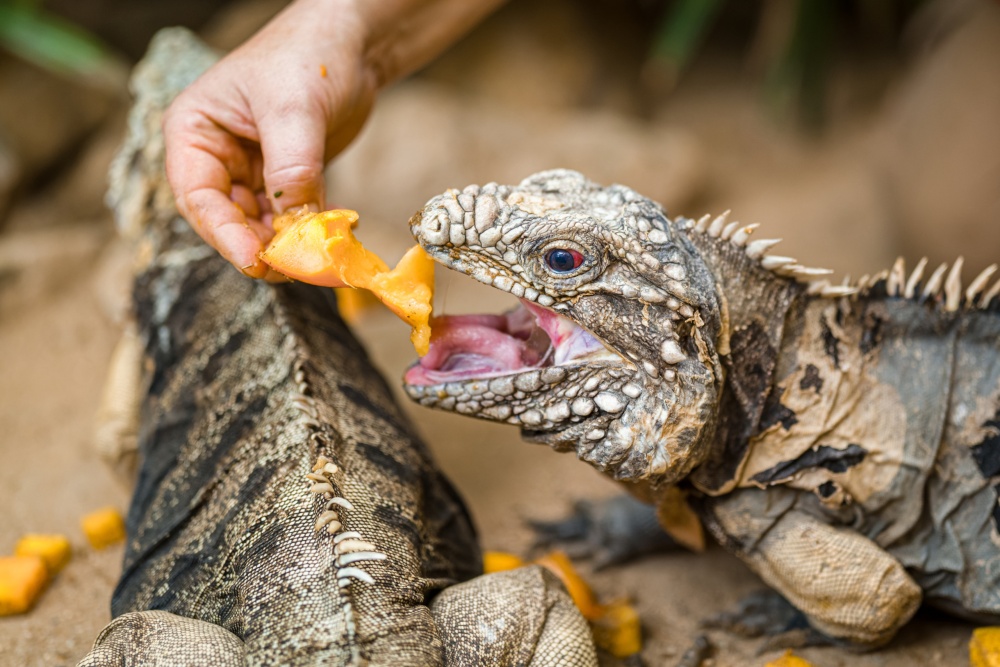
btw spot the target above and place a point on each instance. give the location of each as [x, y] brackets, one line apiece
[563, 260]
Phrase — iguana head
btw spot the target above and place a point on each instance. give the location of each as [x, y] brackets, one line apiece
[613, 351]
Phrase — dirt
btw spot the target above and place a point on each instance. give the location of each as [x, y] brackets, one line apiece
[714, 147]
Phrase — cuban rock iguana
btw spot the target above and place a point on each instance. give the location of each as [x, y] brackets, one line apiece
[285, 513]
[843, 441]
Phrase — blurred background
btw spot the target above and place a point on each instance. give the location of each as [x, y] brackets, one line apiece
[857, 130]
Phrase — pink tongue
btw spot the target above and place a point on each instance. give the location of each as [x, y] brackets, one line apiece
[465, 346]
[469, 338]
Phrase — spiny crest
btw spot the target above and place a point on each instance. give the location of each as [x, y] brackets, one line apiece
[738, 235]
[943, 286]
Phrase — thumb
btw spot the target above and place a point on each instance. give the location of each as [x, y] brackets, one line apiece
[293, 148]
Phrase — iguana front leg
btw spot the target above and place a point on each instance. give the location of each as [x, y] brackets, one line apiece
[848, 587]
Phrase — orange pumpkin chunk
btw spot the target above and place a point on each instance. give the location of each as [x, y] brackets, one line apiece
[320, 249]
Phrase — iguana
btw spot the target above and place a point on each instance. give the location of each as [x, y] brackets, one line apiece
[842, 440]
[285, 512]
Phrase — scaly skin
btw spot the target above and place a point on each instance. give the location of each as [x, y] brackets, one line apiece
[842, 440]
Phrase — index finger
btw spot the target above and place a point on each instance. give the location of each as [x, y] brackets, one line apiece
[202, 159]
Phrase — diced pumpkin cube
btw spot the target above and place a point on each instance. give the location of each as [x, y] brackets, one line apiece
[789, 660]
[500, 561]
[617, 630]
[22, 580]
[984, 647]
[54, 550]
[103, 527]
[320, 249]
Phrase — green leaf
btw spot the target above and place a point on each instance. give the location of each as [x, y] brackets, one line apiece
[54, 44]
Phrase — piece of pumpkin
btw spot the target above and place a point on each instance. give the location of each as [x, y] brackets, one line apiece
[22, 580]
[320, 249]
[54, 550]
[103, 527]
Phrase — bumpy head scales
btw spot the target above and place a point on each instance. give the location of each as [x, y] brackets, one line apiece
[628, 373]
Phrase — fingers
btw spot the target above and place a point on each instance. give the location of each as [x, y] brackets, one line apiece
[224, 226]
[202, 162]
[293, 143]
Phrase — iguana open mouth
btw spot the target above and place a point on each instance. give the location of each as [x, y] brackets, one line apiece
[465, 347]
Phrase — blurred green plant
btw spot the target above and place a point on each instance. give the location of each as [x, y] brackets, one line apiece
[793, 44]
[28, 31]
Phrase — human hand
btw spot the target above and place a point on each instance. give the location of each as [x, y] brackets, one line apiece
[250, 137]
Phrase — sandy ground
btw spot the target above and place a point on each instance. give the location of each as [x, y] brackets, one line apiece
[711, 148]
